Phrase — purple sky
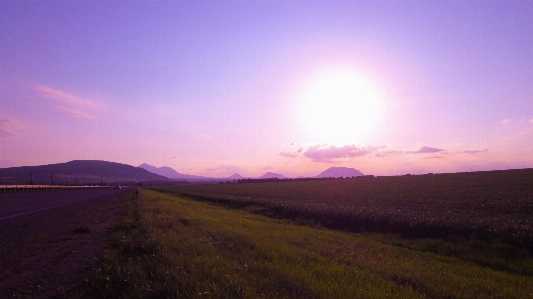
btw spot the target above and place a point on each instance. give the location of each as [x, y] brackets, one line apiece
[293, 87]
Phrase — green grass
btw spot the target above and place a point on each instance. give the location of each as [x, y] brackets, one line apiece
[171, 247]
[495, 205]
[482, 217]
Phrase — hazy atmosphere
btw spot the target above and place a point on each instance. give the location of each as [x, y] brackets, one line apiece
[291, 87]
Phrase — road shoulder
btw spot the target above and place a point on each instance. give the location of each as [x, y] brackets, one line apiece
[50, 254]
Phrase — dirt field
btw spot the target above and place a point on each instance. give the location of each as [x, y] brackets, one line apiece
[49, 241]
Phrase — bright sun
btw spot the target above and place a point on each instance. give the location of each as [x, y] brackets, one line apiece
[340, 107]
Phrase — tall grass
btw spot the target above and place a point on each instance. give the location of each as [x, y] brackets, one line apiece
[170, 247]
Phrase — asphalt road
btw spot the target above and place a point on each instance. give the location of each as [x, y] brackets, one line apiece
[50, 241]
[19, 204]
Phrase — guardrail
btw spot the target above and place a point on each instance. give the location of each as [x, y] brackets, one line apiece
[42, 188]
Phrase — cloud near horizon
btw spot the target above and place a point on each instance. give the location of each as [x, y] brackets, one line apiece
[473, 152]
[225, 168]
[426, 150]
[288, 154]
[6, 127]
[384, 153]
[324, 153]
[292, 154]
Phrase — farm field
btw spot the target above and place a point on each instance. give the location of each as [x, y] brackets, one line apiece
[173, 247]
[495, 205]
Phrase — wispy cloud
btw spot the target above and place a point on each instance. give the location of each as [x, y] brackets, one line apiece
[531, 121]
[7, 126]
[76, 106]
[75, 113]
[426, 150]
[288, 154]
[67, 98]
[324, 153]
[384, 153]
[505, 121]
[474, 152]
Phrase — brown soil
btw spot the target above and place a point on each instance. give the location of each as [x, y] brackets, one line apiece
[49, 253]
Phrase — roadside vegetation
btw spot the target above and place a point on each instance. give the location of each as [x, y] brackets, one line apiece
[174, 247]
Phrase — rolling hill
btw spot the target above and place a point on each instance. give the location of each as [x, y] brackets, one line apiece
[76, 172]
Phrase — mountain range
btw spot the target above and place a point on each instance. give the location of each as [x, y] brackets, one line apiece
[171, 173]
[101, 172]
[76, 172]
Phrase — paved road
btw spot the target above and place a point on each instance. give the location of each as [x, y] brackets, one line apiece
[43, 253]
[18, 204]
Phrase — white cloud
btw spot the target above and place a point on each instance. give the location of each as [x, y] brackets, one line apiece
[505, 121]
[324, 153]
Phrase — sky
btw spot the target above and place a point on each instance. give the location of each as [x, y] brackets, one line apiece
[291, 87]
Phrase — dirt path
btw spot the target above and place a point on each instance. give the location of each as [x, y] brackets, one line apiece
[46, 252]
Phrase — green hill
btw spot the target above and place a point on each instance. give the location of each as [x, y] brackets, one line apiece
[80, 172]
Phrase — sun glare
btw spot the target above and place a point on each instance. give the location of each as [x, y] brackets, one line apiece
[340, 107]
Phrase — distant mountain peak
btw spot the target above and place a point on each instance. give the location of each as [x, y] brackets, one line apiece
[272, 175]
[169, 172]
[236, 176]
[336, 172]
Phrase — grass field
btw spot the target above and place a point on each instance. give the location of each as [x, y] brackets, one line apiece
[496, 205]
[173, 247]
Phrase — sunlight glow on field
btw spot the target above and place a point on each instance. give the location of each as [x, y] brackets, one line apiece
[340, 107]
